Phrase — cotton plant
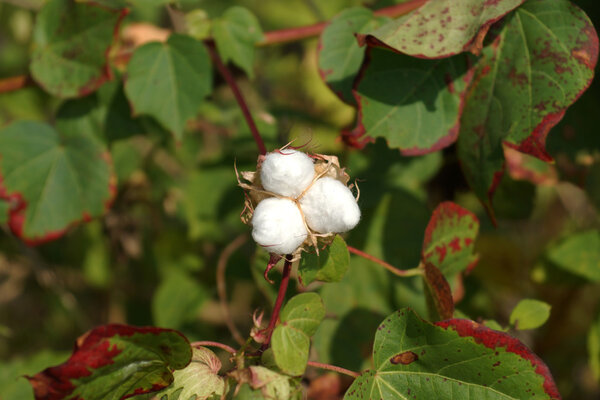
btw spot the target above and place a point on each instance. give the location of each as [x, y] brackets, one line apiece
[294, 199]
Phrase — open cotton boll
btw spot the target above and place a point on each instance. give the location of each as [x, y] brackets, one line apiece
[277, 226]
[287, 172]
[329, 206]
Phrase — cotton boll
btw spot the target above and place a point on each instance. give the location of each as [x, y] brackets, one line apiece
[277, 226]
[329, 206]
[287, 173]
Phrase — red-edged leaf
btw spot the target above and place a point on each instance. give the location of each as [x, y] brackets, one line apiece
[440, 28]
[52, 180]
[414, 104]
[454, 359]
[440, 292]
[538, 64]
[495, 340]
[114, 362]
[521, 166]
[71, 44]
[449, 239]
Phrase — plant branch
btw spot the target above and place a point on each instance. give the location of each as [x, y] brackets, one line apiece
[389, 267]
[15, 83]
[305, 32]
[228, 76]
[222, 285]
[285, 279]
[334, 368]
[209, 343]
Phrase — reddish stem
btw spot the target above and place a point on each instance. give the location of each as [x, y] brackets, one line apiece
[214, 55]
[209, 343]
[334, 368]
[389, 267]
[15, 83]
[304, 32]
[285, 279]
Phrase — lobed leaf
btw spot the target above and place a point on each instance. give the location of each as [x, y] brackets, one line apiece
[452, 359]
[236, 34]
[414, 104]
[52, 180]
[537, 65]
[299, 320]
[199, 380]
[169, 81]
[529, 314]
[70, 46]
[114, 362]
[440, 28]
[329, 266]
[449, 239]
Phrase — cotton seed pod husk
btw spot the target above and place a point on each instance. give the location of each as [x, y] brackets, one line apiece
[325, 165]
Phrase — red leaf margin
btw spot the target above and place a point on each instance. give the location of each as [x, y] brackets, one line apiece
[18, 208]
[447, 209]
[358, 138]
[106, 74]
[91, 351]
[494, 339]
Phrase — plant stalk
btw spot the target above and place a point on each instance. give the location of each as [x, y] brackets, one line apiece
[285, 279]
[396, 271]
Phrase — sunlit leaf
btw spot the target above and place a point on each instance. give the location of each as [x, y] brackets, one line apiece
[299, 320]
[452, 359]
[440, 28]
[529, 314]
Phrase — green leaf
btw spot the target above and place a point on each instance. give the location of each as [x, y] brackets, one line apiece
[198, 381]
[177, 300]
[579, 254]
[70, 47]
[529, 314]
[449, 239]
[440, 28]
[54, 180]
[454, 359]
[340, 56]
[593, 344]
[113, 362]
[106, 114]
[290, 341]
[538, 64]
[4, 209]
[236, 34]
[329, 266]
[414, 104]
[169, 81]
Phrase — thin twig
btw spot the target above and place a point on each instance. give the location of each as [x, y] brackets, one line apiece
[222, 285]
[15, 83]
[389, 267]
[287, 268]
[209, 343]
[214, 55]
[334, 368]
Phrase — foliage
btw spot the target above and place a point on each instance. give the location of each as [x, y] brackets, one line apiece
[467, 127]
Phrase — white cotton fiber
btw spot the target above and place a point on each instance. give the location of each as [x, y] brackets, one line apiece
[287, 172]
[277, 226]
[329, 206]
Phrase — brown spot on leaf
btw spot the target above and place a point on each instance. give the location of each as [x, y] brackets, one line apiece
[405, 358]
